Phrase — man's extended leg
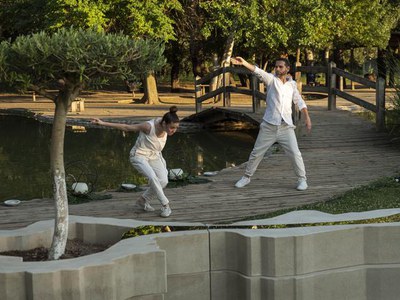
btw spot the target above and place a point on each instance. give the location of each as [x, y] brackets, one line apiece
[265, 139]
[287, 139]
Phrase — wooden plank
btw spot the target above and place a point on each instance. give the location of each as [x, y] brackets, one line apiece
[312, 69]
[210, 95]
[314, 89]
[352, 77]
[343, 151]
[355, 100]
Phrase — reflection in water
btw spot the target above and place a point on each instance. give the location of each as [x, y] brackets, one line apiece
[25, 143]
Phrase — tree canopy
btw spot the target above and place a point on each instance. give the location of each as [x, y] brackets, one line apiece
[41, 60]
[196, 30]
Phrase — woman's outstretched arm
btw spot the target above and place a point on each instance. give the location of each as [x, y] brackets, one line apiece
[144, 127]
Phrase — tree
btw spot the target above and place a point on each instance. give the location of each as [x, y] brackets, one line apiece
[68, 61]
[150, 18]
[23, 17]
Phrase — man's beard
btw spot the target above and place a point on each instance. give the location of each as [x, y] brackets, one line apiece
[283, 73]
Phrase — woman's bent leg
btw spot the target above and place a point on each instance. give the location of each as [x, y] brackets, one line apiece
[157, 174]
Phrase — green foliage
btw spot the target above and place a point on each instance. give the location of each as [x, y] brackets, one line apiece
[81, 56]
[361, 23]
[23, 17]
[152, 229]
[143, 230]
[150, 18]
[198, 29]
[185, 180]
[80, 14]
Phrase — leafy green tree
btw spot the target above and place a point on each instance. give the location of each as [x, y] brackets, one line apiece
[68, 61]
[80, 14]
[357, 23]
[23, 17]
[151, 19]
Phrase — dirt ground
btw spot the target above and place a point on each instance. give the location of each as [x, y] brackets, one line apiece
[74, 248]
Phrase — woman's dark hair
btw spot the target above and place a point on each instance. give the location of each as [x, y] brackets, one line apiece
[171, 116]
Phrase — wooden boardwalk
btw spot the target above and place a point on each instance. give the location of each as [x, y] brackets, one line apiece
[342, 152]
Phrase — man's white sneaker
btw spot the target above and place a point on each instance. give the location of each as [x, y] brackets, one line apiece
[242, 182]
[165, 211]
[145, 205]
[302, 185]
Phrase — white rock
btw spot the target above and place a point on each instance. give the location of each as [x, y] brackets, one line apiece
[175, 174]
[80, 188]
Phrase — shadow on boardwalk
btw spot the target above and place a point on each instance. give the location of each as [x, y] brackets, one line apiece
[343, 151]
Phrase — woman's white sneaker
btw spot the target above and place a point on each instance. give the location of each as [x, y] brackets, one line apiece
[242, 182]
[302, 185]
[165, 211]
[145, 205]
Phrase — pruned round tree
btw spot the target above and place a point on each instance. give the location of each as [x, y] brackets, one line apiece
[68, 61]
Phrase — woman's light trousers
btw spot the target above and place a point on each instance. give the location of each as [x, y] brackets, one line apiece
[156, 172]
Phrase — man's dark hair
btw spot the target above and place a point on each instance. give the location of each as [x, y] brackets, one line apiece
[285, 60]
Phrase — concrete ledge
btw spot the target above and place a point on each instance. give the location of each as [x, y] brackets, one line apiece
[312, 263]
[314, 216]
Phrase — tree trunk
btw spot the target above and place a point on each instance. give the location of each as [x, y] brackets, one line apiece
[226, 61]
[150, 90]
[175, 77]
[59, 187]
[298, 52]
[175, 60]
[213, 82]
[60, 196]
[326, 56]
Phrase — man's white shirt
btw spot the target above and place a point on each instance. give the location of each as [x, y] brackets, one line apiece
[279, 98]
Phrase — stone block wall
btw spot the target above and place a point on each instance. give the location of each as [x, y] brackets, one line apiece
[311, 263]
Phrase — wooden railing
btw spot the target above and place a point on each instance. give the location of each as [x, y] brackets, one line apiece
[226, 90]
[332, 90]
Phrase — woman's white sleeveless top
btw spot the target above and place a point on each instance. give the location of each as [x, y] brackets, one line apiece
[149, 145]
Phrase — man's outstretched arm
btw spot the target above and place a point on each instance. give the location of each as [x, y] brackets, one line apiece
[242, 62]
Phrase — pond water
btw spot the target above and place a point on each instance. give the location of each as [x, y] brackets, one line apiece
[101, 155]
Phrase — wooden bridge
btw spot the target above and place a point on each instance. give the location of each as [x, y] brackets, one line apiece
[343, 151]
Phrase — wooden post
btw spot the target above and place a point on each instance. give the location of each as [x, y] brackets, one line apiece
[255, 101]
[228, 91]
[341, 83]
[224, 86]
[297, 77]
[78, 105]
[197, 93]
[380, 104]
[331, 86]
[74, 106]
[82, 105]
